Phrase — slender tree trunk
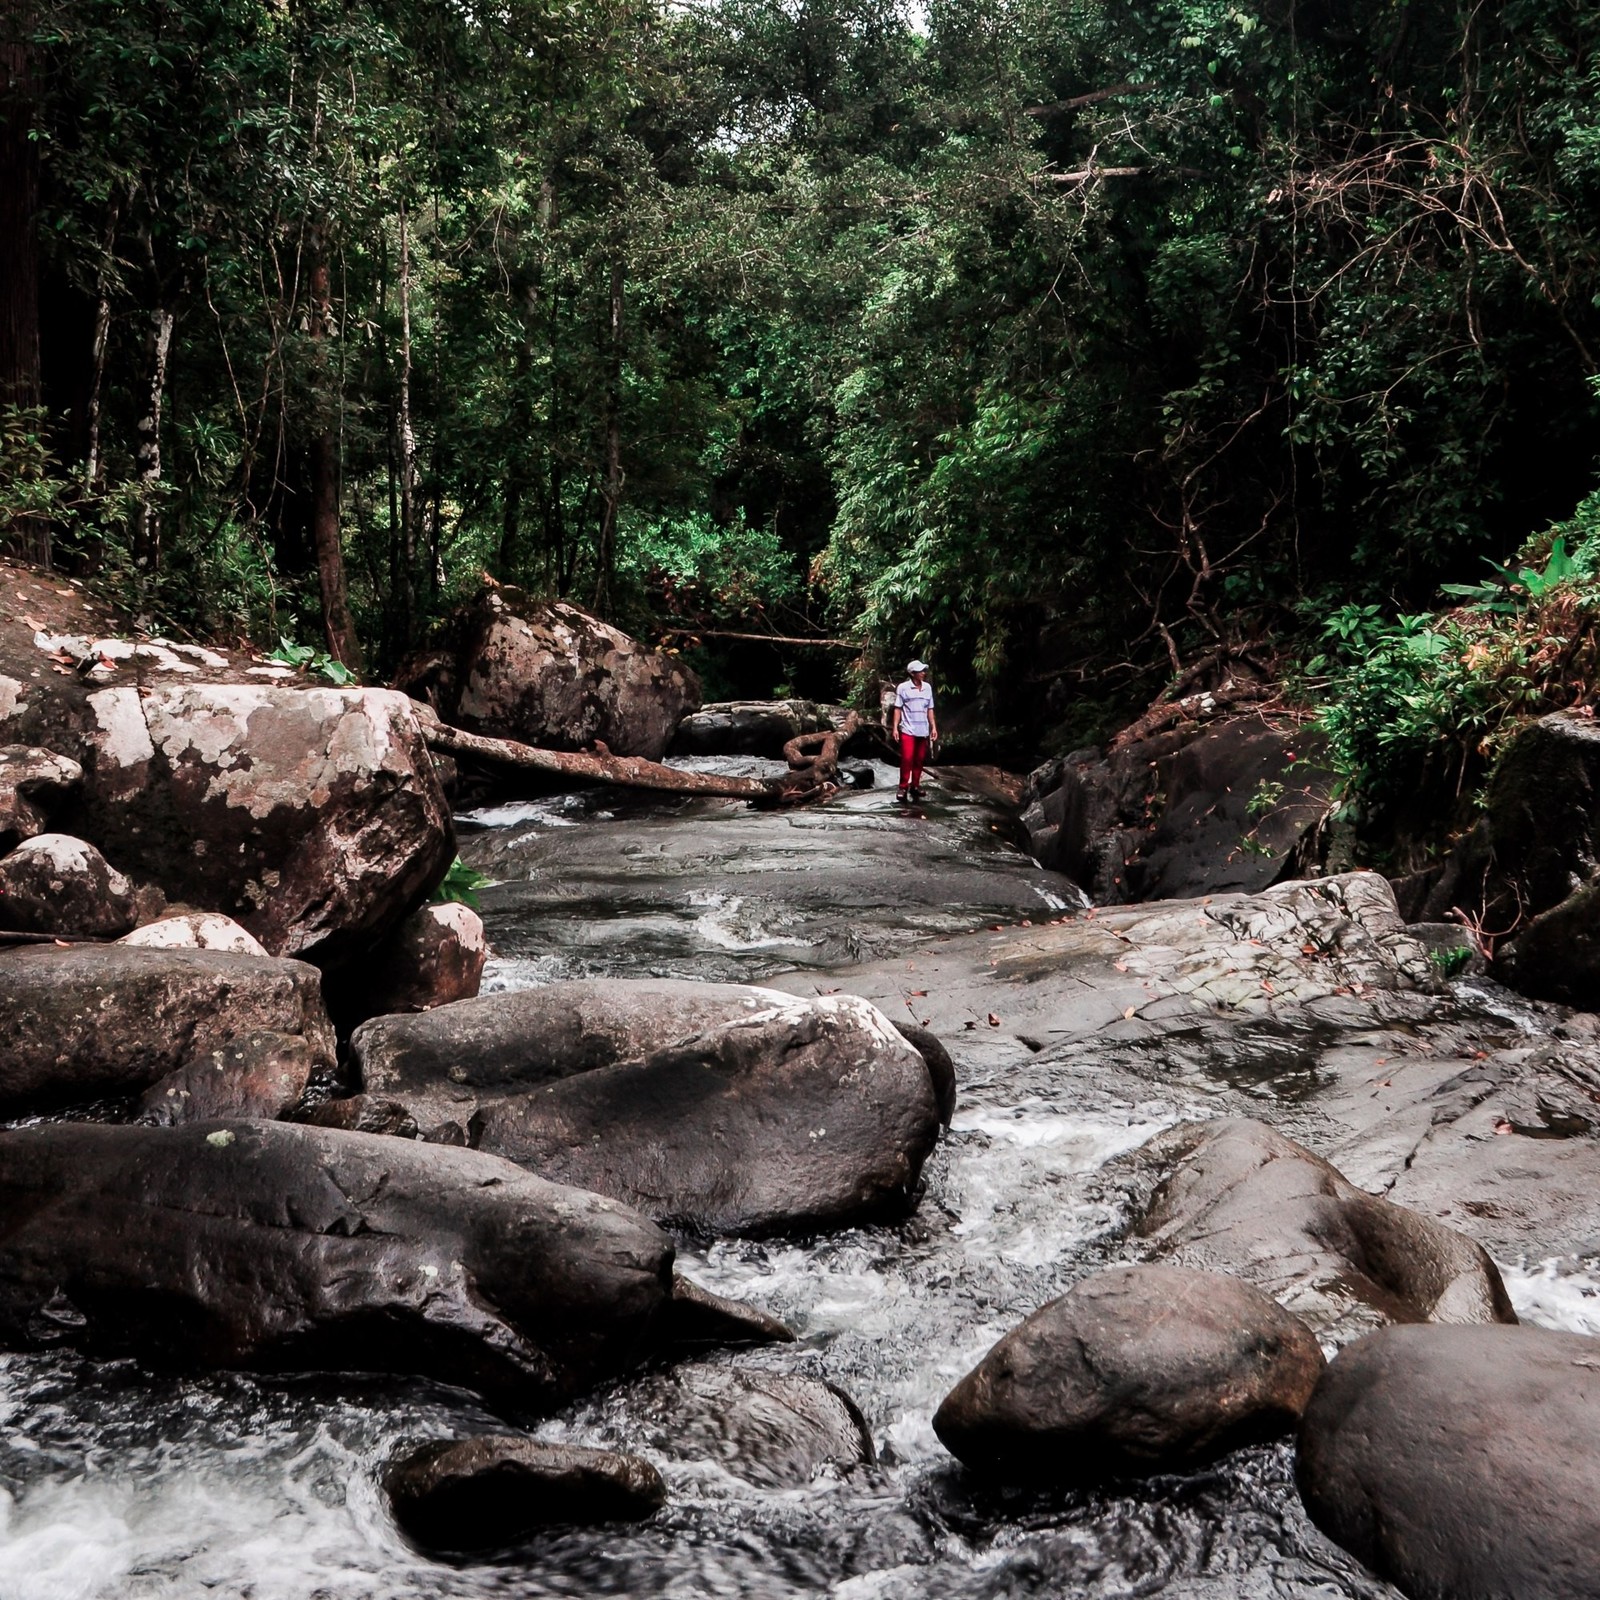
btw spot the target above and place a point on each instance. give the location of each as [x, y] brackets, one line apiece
[406, 440]
[94, 465]
[337, 624]
[606, 554]
[147, 459]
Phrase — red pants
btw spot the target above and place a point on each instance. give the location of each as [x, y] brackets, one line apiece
[913, 754]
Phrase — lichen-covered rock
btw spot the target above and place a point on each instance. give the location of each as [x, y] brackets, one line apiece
[748, 727]
[53, 883]
[1237, 1196]
[99, 1020]
[462, 1496]
[195, 930]
[1133, 1371]
[549, 674]
[1461, 1463]
[262, 1075]
[34, 784]
[273, 1246]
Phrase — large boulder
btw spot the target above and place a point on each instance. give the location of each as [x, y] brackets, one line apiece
[1202, 804]
[748, 727]
[277, 1246]
[805, 1115]
[34, 784]
[1461, 1463]
[466, 1496]
[53, 883]
[312, 816]
[1133, 1371]
[1237, 1196]
[773, 1429]
[91, 1021]
[546, 673]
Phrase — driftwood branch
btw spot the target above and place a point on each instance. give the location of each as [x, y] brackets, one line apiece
[765, 638]
[1093, 98]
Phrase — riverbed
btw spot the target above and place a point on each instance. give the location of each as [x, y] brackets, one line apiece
[119, 1483]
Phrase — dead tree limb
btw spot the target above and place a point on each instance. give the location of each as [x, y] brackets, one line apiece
[766, 638]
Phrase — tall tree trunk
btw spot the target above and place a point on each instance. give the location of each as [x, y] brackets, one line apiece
[406, 443]
[94, 463]
[337, 624]
[606, 555]
[147, 459]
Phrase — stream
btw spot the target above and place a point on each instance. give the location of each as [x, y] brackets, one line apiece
[122, 1484]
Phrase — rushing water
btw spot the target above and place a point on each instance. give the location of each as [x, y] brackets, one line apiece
[119, 1484]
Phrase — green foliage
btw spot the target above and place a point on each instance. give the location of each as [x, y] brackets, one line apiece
[460, 884]
[1450, 962]
[317, 661]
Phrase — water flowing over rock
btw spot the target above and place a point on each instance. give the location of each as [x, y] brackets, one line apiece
[549, 674]
[91, 1021]
[276, 1246]
[802, 1116]
[461, 1496]
[261, 1075]
[748, 727]
[1237, 1196]
[34, 785]
[1198, 806]
[1135, 1370]
[768, 1428]
[1461, 1463]
[53, 883]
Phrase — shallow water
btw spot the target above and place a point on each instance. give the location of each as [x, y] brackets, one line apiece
[120, 1484]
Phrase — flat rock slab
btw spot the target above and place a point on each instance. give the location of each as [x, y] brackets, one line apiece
[1237, 1196]
[93, 1021]
[771, 1429]
[280, 1247]
[467, 1496]
[804, 1115]
[1133, 1371]
[1461, 1463]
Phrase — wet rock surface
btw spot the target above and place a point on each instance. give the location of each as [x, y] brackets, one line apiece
[804, 1115]
[53, 883]
[260, 1075]
[472, 1495]
[91, 1021]
[1135, 1370]
[548, 674]
[1461, 1463]
[271, 1245]
[34, 785]
[770, 1429]
[1237, 1196]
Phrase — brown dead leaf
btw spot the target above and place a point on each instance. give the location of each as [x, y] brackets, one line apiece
[994, 1021]
[919, 994]
[1127, 1016]
[1120, 966]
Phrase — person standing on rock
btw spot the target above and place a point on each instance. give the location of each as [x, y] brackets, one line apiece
[914, 727]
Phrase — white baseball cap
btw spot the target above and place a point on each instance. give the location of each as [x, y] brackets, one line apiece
[916, 666]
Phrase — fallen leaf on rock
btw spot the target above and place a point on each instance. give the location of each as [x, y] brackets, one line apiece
[970, 1023]
[1502, 1126]
[919, 994]
[994, 1021]
[1127, 1016]
[1120, 966]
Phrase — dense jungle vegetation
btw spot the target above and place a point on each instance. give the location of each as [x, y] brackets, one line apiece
[1070, 343]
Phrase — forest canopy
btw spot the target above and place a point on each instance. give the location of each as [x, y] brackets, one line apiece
[1059, 341]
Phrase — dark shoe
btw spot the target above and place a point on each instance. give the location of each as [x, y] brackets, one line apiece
[902, 798]
[916, 797]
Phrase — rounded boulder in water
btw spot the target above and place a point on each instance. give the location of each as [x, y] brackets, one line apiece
[1134, 1371]
[1461, 1463]
[458, 1497]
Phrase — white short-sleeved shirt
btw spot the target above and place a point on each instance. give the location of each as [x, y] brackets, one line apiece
[915, 707]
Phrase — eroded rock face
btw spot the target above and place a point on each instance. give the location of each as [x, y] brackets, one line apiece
[1461, 1463]
[313, 817]
[261, 1075]
[1208, 804]
[91, 1021]
[53, 883]
[770, 1429]
[1237, 1196]
[34, 785]
[195, 930]
[549, 674]
[808, 1114]
[461, 1496]
[748, 727]
[1133, 1371]
[277, 1246]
